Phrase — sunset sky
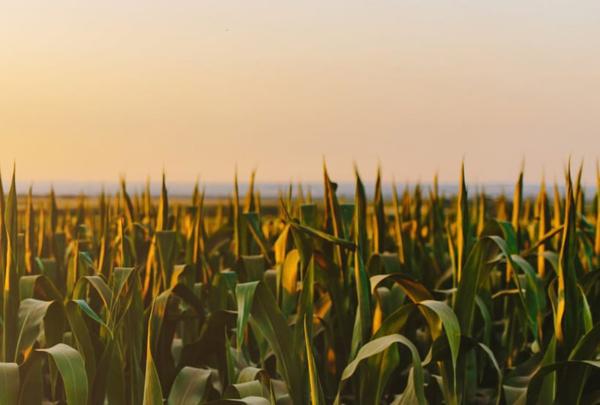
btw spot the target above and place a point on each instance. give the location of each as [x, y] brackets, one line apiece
[92, 89]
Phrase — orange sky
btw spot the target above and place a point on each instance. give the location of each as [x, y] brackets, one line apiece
[92, 89]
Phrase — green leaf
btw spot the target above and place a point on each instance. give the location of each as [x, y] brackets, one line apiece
[189, 387]
[82, 337]
[315, 233]
[9, 383]
[413, 289]
[316, 391]
[246, 389]
[252, 400]
[475, 273]
[450, 324]
[535, 384]
[269, 321]
[379, 223]
[84, 306]
[253, 221]
[31, 315]
[245, 299]
[379, 367]
[363, 324]
[568, 318]
[166, 244]
[99, 285]
[360, 218]
[11, 276]
[30, 285]
[70, 365]
[462, 226]
[380, 344]
[152, 389]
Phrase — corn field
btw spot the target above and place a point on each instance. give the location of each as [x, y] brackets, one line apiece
[421, 298]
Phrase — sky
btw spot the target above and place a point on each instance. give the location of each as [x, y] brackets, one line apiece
[93, 89]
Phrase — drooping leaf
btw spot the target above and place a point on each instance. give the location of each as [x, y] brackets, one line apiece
[377, 346]
[70, 365]
[190, 386]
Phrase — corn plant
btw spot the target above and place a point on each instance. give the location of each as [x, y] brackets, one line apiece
[426, 298]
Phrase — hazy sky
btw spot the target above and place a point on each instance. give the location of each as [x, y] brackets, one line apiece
[91, 89]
